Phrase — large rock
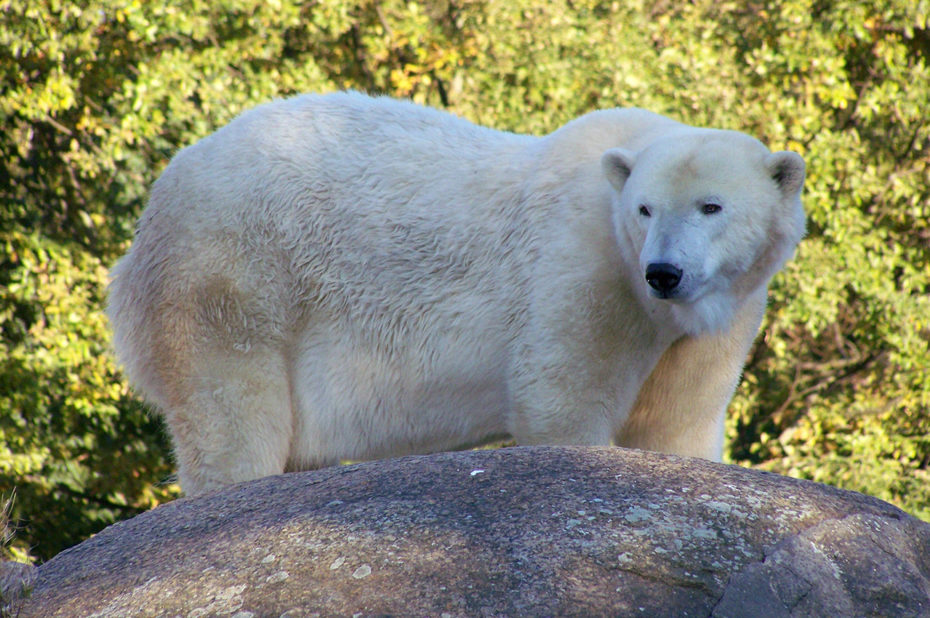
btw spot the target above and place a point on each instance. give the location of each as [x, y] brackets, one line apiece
[511, 532]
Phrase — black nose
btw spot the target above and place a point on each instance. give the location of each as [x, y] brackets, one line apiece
[663, 277]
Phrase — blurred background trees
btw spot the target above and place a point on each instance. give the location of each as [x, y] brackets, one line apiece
[97, 95]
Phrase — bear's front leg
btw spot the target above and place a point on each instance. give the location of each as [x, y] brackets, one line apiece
[547, 411]
[565, 383]
[682, 406]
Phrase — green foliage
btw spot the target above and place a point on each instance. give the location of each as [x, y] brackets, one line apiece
[838, 391]
[96, 96]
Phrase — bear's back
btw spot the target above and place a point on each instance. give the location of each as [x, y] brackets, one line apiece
[343, 148]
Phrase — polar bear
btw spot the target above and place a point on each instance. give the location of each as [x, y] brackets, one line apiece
[346, 277]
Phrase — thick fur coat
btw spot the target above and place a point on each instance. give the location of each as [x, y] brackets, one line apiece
[346, 277]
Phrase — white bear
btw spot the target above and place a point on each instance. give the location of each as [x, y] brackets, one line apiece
[345, 277]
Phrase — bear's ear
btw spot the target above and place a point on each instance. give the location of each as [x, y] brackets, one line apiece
[618, 165]
[787, 170]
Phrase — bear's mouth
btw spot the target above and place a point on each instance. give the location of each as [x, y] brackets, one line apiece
[678, 296]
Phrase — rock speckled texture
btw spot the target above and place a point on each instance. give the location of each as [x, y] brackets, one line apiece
[521, 531]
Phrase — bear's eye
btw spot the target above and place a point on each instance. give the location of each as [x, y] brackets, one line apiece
[711, 209]
[644, 211]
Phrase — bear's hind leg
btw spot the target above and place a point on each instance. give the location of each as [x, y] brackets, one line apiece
[236, 423]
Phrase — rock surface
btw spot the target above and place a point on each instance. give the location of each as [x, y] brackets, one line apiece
[16, 582]
[509, 532]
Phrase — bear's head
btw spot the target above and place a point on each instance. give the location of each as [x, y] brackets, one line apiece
[712, 216]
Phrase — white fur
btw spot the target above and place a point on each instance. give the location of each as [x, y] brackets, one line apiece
[345, 277]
